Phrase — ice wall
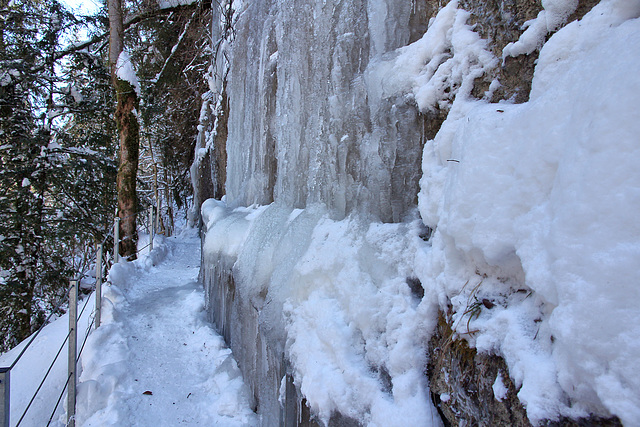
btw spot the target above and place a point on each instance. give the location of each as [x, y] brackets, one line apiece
[303, 126]
[323, 310]
[310, 135]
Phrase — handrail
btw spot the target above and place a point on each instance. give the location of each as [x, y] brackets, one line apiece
[86, 336]
[33, 337]
[44, 378]
[85, 306]
[72, 334]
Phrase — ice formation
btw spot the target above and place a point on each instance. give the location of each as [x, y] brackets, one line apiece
[532, 207]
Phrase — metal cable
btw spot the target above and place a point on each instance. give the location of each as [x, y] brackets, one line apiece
[46, 322]
[44, 379]
[143, 248]
[93, 257]
[133, 214]
[55, 309]
[85, 306]
[86, 335]
[125, 238]
[59, 399]
[60, 302]
[58, 305]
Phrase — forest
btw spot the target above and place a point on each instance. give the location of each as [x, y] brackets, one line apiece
[59, 142]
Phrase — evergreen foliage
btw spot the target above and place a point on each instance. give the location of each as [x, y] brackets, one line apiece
[58, 139]
[173, 56]
[56, 162]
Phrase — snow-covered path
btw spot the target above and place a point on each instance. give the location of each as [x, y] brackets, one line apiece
[156, 361]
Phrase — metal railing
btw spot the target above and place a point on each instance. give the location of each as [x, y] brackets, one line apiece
[72, 336]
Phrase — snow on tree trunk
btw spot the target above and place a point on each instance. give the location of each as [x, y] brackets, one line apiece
[124, 82]
[128, 131]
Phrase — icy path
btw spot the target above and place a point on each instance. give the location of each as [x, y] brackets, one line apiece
[156, 361]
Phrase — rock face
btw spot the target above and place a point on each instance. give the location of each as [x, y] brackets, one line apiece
[299, 115]
[462, 383]
[470, 388]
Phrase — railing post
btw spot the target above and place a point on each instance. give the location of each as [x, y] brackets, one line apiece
[151, 228]
[157, 218]
[73, 343]
[116, 240]
[5, 392]
[98, 285]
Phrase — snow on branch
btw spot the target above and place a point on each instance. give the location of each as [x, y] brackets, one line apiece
[131, 21]
[174, 49]
[552, 17]
[165, 4]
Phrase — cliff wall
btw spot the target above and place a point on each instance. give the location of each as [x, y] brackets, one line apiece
[386, 169]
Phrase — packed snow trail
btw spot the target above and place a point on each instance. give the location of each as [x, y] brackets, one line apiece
[156, 361]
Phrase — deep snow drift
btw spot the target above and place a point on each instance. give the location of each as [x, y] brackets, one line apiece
[533, 208]
[542, 200]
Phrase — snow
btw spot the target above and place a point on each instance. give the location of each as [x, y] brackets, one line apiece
[499, 389]
[533, 207]
[125, 71]
[6, 76]
[166, 4]
[349, 315]
[553, 15]
[445, 61]
[29, 371]
[75, 93]
[155, 361]
[153, 337]
[537, 212]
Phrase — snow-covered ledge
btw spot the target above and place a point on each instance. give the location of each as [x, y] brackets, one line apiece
[325, 301]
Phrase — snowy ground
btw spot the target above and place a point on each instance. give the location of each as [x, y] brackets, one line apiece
[156, 361]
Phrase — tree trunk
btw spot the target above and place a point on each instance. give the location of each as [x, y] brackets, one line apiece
[116, 35]
[128, 131]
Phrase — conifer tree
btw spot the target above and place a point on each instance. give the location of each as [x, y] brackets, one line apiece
[59, 150]
[24, 136]
[45, 173]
